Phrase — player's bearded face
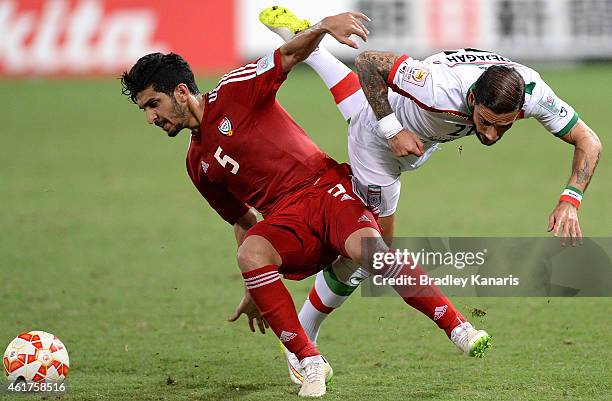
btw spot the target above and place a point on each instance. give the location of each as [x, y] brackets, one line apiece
[177, 118]
[490, 126]
[163, 110]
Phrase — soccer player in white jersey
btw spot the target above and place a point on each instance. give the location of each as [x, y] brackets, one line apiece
[399, 109]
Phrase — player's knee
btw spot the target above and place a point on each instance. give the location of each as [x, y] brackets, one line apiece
[256, 252]
[362, 251]
[387, 225]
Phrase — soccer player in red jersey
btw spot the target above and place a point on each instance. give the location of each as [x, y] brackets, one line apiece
[246, 151]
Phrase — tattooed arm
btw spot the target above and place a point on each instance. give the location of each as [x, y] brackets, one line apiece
[373, 68]
[586, 156]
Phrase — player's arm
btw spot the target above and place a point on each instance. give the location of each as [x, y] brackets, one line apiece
[587, 149]
[340, 26]
[374, 68]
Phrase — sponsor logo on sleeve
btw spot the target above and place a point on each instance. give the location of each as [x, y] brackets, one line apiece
[549, 102]
[416, 76]
[563, 112]
[225, 127]
[266, 63]
[205, 167]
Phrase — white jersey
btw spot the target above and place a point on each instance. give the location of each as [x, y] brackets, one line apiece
[429, 97]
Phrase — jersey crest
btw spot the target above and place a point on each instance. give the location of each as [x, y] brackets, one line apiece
[225, 127]
[264, 64]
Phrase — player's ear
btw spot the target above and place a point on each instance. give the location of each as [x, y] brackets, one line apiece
[471, 99]
[181, 92]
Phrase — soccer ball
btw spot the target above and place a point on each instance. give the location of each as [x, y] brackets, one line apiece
[36, 356]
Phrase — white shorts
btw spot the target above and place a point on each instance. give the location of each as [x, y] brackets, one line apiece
[382, 200]
[375, 168]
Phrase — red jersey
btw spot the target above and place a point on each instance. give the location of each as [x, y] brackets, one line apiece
[248, 149]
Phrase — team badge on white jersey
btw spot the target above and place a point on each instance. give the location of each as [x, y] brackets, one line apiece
[225, 127]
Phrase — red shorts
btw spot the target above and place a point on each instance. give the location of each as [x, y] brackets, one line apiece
[311, 226]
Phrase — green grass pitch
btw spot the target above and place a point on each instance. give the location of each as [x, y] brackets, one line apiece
[106, 244]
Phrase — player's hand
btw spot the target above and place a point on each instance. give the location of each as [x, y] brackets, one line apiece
[406, 143]
[564, 219]
[342, 26]
[248, 307]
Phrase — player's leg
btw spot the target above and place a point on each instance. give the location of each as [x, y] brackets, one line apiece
[332, 286]
[428, 299]
[280, 241]
[335, 283]
[342, 82]
[259, 262]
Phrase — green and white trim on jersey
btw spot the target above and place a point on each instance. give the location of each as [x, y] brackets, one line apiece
[568, 127]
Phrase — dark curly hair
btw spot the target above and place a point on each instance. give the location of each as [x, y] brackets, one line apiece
[501, 89]
[163, 71]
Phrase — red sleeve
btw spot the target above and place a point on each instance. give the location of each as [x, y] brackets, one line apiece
[255, 84]
[225, 204]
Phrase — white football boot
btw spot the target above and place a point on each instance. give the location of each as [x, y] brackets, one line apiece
[296, 372]
[316, 371]
[282, 22]
[471, 341]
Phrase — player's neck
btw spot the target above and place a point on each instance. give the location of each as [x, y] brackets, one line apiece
[196, 109]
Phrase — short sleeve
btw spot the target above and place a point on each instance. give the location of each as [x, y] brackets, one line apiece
[411, 78]
[553, 113]
[255, 84]
[223, 202]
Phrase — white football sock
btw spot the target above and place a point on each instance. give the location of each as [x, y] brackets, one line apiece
[339, 79]
[332, 287]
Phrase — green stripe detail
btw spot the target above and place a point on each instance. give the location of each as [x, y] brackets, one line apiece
[574, 189]
[335, 285]
[529, 87]
[568, 127]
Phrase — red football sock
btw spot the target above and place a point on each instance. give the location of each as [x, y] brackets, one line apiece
[276, 306]
[428, 299]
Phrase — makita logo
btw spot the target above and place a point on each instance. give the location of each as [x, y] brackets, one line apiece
[74, 36]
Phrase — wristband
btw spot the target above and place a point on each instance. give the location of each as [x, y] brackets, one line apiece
[572, 195]
[389, 126]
